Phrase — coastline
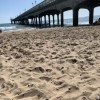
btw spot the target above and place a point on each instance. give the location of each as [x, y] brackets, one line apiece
[19, 30]
[50, 64]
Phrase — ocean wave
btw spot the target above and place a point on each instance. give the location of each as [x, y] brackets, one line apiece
[8, 28]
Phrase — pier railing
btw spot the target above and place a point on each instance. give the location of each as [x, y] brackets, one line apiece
[38, 6]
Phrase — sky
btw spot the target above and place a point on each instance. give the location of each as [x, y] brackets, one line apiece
[12, 8]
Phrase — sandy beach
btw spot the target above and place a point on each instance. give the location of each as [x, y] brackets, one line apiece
[50, 64]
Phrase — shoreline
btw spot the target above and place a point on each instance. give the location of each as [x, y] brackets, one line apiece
[60, 63]
[19, 30]
[32, 28]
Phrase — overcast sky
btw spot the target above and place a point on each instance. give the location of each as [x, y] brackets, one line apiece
[12, 8]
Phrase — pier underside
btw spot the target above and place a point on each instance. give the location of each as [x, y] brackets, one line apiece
[52, 7]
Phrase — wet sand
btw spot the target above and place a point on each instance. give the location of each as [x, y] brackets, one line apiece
[50, 64]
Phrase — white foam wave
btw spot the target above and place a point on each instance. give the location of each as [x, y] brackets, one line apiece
[8, 28]
[82, 23]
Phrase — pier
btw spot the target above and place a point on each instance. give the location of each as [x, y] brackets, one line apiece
[55, 7]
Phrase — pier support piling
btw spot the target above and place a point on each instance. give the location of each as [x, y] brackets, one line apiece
[39, 21]
[53, 20]
[45, 20]
[75, 17]
[27, 22]
[58, 19]
[31, 21]
[36, 21]
[62, 18]
[49, 20]
[14, 22]
[91, 13]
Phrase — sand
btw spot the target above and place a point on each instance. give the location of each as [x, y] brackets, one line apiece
[50, 64]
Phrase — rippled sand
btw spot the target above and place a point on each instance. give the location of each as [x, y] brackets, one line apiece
[50, 64]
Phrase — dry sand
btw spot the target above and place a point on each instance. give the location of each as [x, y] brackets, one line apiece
[50, 64]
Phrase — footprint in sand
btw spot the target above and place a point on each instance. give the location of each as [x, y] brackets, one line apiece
[31, 93]
[95, 95]
[30, 81]
[2, 80]
[72, 89]
[39, 69]
[19, 75]
[83, 98]
[45, 78]
[4, 97]
[40, 59]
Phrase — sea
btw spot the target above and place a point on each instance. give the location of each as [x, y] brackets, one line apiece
[12, 27]
[67, 22]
